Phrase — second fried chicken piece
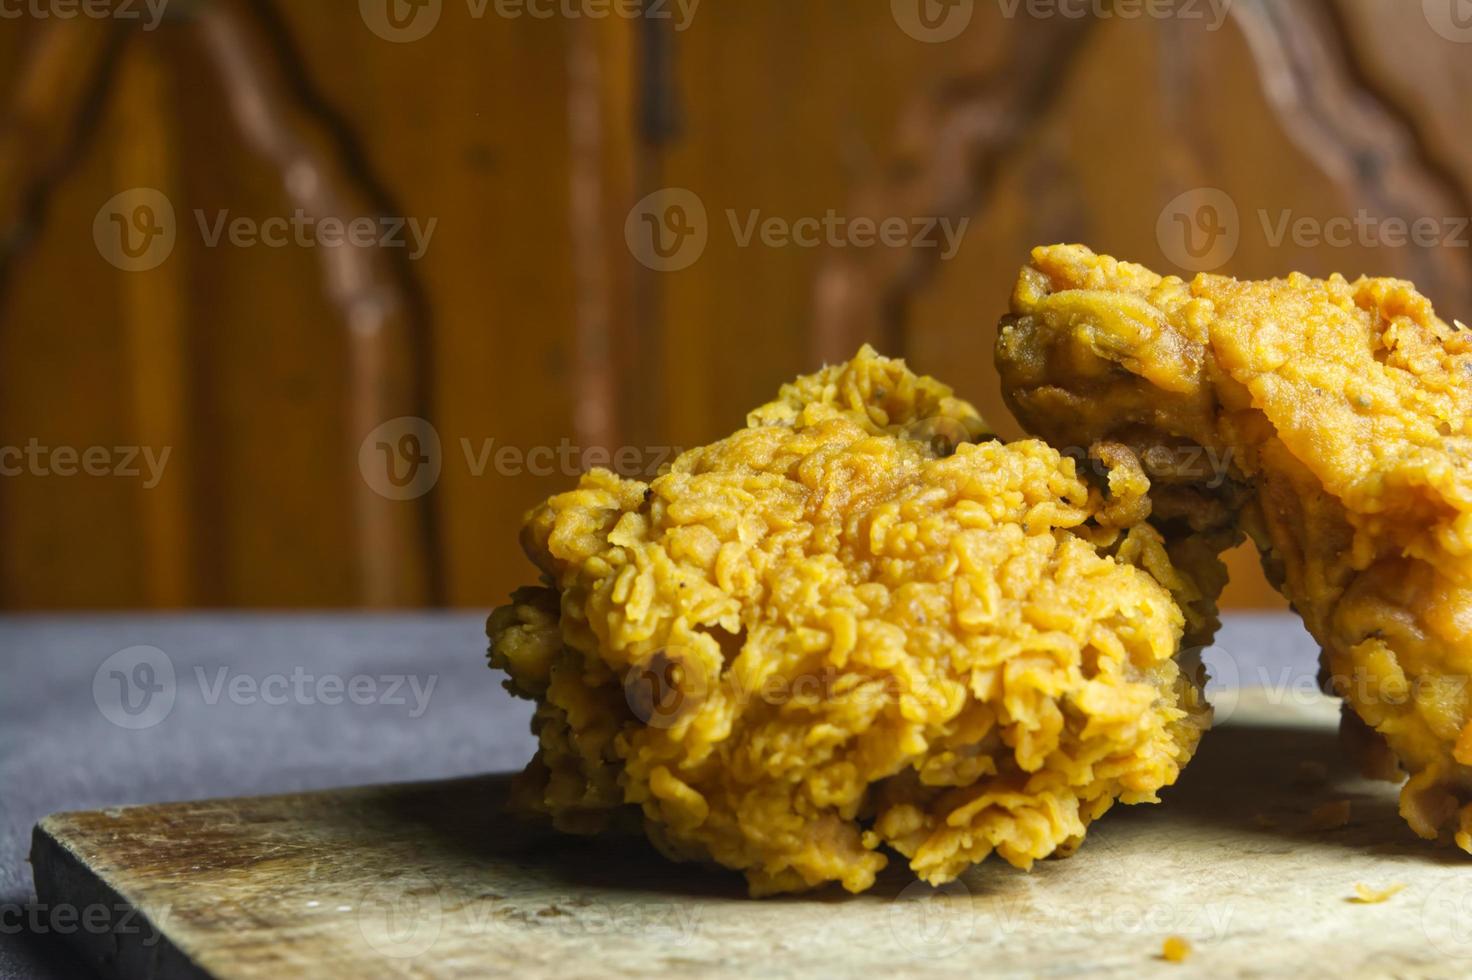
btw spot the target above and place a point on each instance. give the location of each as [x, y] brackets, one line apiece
[1332, 420]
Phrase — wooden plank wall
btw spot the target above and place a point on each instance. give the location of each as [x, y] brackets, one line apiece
[528, 322]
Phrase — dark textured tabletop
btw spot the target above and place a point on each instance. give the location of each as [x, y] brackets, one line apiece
[108, 710]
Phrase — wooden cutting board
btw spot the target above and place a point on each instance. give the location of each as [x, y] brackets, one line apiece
[432, 881]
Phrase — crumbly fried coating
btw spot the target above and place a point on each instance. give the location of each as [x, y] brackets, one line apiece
[850, 627]
[1339, 415]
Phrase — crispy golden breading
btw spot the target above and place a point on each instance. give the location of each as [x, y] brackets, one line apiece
[846, 627]
[1340, 414]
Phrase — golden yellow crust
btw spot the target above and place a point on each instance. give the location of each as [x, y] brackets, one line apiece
[844, 628]
[1343, 412]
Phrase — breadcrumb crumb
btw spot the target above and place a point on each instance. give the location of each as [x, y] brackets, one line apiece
[1175, 949]
[1330, 816]
[1365, 895]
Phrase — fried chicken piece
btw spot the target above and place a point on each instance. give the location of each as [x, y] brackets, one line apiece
[1332, 421]
[850, 626]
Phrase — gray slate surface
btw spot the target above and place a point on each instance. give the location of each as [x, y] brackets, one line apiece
[59, 750]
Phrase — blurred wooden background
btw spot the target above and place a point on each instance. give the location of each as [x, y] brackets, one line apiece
[528, 320]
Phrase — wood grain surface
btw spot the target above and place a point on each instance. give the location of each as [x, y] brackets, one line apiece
[432, 881]
[527, 324]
